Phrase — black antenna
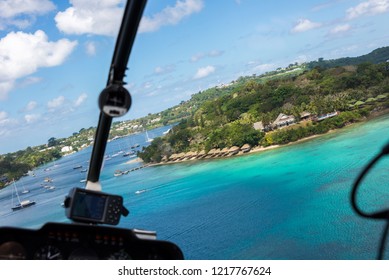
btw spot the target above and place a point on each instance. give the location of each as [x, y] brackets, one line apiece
[114, 100]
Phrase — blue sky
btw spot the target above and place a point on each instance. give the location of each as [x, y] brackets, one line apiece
[55, 55]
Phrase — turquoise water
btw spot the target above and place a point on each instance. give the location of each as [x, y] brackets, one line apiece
[287, 203]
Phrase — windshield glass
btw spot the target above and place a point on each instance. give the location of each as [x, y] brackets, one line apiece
[249, 121]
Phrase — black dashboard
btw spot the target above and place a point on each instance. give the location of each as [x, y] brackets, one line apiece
[56, 241]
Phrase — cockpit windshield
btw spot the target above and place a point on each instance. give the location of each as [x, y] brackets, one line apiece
[249, 120]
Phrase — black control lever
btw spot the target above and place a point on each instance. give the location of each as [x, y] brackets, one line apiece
[114, 100]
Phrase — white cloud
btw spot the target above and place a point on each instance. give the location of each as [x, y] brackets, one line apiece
[55, 103]
[80, 100]
[6, 123]
[204, 72]
[29, 81]
[31, 118]
[19, 23]
[370, 7]
[160, 70]
[197, 57]
[5, 87]
[200, 56]
[13, 8]
[28, 9]
[21, 54]
[102, 17]
[31, 105]
[170, 15]
[147, 85]
[305, 25]
[3, 116]
[340, 29]
[90, 48]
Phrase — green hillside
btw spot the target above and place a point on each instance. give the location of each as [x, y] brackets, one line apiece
[228, 120]
[377, 56]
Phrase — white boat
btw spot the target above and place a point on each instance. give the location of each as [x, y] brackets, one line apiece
[118, 173]
[48, 180]
[129, 154]
[25, 191]
[140, 191]
[21, 204]
[47, 187]
[148, 139]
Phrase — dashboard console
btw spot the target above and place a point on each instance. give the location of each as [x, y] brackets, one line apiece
[56, 241]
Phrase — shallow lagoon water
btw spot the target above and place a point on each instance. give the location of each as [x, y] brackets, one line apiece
[287, 203]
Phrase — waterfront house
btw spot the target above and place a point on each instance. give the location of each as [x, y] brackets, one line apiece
[283, 120]
[305, 116]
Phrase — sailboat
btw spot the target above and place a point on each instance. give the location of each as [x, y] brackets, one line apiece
[148, 139]
[21, 204]
[24, 191]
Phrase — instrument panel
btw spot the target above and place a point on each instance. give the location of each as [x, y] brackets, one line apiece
[55, 241]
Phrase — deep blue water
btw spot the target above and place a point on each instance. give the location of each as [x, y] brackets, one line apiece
[287, 203]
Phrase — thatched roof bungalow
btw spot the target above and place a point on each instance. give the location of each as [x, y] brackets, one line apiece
[245, 148]
[224, 152]
[201, 154]
[233, 150]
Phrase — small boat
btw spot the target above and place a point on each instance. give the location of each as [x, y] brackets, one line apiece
[118, 173]
[84, 170]
[48, 180]
[83, 181]
[127, 154]
[25, 191]
[77, 167]
[140, 191]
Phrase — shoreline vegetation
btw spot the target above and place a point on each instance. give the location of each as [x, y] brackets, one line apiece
[246, 149]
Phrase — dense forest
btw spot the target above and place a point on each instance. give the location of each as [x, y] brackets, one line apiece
[227, 120]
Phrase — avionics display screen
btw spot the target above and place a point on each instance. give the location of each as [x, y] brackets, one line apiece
[89, 206]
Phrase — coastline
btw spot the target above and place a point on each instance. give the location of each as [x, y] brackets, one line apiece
[258, 149]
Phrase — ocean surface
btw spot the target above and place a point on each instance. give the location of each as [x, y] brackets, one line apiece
[287, 203]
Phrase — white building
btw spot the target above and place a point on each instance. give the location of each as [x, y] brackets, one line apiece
[67, 149]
